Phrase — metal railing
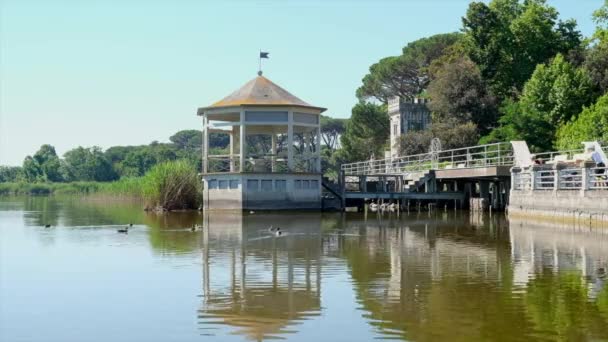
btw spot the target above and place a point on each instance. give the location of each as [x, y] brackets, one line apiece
[261, 164]
[581, 178]
[467, 157]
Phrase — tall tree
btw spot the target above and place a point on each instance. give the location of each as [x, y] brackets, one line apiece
[459, 93]
[555, 93]
[508, 38]
[87, 164]
[331, 130]
[406, 75]
[366, 133]
[49, 164]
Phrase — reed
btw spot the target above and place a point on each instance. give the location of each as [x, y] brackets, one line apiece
[172, 186]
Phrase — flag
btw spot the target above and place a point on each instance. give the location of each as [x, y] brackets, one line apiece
[264, 54]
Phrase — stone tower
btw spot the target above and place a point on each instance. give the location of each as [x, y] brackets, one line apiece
[405, 116]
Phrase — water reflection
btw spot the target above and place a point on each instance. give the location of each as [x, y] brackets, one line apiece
[422, 276]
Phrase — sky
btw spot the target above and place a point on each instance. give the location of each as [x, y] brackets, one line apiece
[128, 72]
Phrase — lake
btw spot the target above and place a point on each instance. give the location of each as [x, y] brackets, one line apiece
[443, 275]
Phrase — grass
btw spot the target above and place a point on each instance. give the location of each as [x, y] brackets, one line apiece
[168, 186]
[171, 186]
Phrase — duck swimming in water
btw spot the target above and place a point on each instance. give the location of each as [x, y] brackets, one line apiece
[274, 230]
[47, 226]
[123, 230]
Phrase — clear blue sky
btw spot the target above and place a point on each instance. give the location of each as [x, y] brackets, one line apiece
[119, 72]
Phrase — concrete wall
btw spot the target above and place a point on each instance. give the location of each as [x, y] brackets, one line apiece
[262, 191]
[564, 205]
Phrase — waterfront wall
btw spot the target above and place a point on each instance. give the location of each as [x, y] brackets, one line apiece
[573, 206]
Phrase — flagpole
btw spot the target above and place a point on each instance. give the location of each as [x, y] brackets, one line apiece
[260, 63]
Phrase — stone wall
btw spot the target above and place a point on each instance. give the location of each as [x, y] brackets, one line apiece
[581, 207]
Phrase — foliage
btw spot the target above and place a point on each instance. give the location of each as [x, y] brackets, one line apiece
[555, 93]
[331, 130]
[451, 133]
[508, 38]
[87, 164]
[596, 65]
[366, 133]
[600, 16]
[406, 75]
[43, 166]
[11, 174]
[171, 185]
[590, 125]
[459, 93]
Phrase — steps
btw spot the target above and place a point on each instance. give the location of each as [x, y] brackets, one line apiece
[418, 181]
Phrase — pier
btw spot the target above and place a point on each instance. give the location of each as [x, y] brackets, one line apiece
[484, 177]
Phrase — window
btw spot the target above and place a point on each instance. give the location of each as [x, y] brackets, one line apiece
[252, 185]
[280, 185]
[212, 184]
[306, 118]
[234, 184]
[266, 185]
[305, 184]
[266, 116]
[223, 184]
[314, 184]
[298, 184]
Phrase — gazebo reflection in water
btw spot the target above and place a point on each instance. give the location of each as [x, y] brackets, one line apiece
[258, 283]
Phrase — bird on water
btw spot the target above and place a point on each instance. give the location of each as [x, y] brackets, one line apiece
[123, 230]
[47, 226]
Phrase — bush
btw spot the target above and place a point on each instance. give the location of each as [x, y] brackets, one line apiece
[171, 186]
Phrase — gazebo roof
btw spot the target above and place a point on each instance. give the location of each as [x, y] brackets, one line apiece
[261, 91]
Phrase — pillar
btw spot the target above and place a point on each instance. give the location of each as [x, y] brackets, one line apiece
[232, 143]
[273, 151]
[205, 143]
[290, 161]
[242, 139]
[318, 148]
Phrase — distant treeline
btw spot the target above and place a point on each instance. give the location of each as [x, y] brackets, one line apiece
[94, 164]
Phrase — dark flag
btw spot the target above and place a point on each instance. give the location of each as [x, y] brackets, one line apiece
[264, 54]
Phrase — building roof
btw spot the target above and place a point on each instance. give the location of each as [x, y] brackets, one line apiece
[261, 91]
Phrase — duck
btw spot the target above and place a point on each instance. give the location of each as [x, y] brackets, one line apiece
[278, 233]
[123, 230]
[252, 212]
[274, 230]
[47, 226]
[130, 225]
[373, 206]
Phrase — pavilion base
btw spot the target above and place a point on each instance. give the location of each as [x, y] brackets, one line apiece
[262, 191]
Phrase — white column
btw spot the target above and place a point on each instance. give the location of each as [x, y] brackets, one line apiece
[290, 161]
[318, 145]
[232, 149]
[242, 143]
[273, 151]
[205, 143]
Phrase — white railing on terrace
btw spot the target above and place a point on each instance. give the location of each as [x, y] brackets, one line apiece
[590, 178]
[302, 163]
[467, 157]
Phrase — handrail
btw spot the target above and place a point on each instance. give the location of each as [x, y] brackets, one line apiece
[463, 157]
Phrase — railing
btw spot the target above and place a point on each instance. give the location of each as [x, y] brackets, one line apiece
[466, 157]
[572, 178]
[262, 164]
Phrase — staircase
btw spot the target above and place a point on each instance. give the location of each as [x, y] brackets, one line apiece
[418, 181]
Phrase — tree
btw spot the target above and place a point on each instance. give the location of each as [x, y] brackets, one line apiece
[555, 93]
[406, 75]
[366, 133]
[600, 17]
[31, 170]
[189, 139]
[458, 92]
[596, 65]
[87, 164]
[331, 130]
[590, 125]
[507, 39]
[451, 133]
[48, 161]
[11, 174]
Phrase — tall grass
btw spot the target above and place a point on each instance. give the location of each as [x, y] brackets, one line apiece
[171, 186]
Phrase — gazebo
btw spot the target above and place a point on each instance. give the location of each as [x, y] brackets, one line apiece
[273, 160]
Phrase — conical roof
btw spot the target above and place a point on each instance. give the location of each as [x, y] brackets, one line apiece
[261, 91]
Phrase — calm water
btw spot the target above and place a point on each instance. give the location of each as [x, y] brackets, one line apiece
[418, 277]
